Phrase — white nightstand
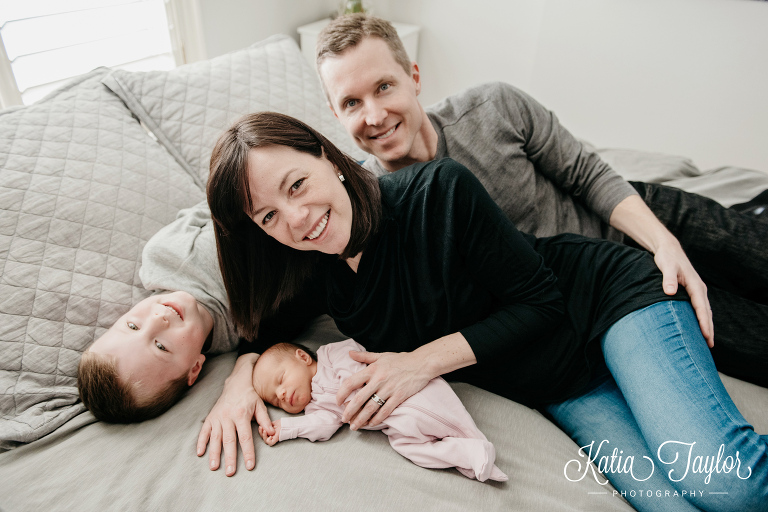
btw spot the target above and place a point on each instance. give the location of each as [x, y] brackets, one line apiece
[409, 34]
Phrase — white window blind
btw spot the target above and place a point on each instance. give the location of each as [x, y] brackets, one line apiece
[48, 42]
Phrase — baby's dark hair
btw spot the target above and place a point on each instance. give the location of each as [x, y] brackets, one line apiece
[287, 348]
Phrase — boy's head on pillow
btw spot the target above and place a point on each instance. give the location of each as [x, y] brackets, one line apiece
[143, 364]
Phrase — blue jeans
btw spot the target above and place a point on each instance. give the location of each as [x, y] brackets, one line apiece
[660, 425]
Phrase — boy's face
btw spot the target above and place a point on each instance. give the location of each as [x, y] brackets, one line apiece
[376, 101]
[285, 379]
[158, 341]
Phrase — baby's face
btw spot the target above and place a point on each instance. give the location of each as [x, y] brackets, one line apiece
[158, 340]
[285, 380]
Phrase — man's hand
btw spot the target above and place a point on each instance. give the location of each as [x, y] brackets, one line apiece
[270, 439]
[633, 217]
[231, 418]
[677, 269]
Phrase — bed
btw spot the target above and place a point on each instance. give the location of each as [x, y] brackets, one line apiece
[87, 176]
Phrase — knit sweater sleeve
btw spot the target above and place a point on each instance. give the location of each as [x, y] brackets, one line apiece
[558, 155]
[182, 257]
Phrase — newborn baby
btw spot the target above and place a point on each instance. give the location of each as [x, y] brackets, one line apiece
[432, 428]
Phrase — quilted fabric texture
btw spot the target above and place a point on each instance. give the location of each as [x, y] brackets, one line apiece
[82, 188]
[187, 108]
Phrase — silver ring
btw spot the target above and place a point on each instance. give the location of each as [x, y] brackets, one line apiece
[376, 398]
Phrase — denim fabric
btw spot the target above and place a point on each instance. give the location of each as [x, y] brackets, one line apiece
[664, 405]
[729, 250]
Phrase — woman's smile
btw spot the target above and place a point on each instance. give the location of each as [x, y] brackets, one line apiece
[320, 228]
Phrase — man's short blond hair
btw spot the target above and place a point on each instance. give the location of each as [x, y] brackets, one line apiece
[348, 31]
[111, 399]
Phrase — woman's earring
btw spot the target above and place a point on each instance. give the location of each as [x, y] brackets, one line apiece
[341, 177]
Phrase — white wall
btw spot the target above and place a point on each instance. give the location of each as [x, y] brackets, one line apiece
[229, 25]
[677, 76]
[684, 77]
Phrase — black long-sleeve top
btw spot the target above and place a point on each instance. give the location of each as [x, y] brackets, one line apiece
[447, 259]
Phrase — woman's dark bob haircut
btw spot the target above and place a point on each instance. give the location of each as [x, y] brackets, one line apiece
[259, 273]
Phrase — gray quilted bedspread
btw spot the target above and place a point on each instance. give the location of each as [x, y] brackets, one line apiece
[82, 188]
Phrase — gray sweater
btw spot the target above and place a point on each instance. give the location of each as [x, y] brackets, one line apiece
[543, 178]
[182, 257]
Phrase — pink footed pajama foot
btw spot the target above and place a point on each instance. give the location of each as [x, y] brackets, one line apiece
[481, 454]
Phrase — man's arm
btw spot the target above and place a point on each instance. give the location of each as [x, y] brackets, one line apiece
[633, 217]
[559, 156]
[581, 173]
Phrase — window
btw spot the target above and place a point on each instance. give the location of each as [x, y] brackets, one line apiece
[47, 42]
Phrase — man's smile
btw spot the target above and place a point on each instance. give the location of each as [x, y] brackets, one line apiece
[386, 134]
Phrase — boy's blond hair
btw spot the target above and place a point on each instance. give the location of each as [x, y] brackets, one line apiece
[111, 399]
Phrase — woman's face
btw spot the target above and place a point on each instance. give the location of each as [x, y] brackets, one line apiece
[299, 200]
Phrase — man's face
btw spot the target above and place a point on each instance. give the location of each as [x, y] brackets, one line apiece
[376, 101]
[158, 341]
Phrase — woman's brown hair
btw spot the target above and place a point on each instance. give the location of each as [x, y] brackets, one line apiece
[260, 273]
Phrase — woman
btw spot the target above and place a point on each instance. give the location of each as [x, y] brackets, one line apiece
[424, 265]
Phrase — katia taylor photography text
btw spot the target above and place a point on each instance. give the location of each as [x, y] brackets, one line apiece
[679, 459]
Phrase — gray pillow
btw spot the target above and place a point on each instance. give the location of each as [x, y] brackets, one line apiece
[646, 166]
[82, 187]
[187, 108]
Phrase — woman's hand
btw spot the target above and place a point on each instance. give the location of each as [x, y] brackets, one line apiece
[270, 439]
[231, 418]
[394, 377]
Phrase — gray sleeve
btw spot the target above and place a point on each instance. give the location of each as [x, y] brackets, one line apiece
[373, 165]
[558, 155]
[182, 257]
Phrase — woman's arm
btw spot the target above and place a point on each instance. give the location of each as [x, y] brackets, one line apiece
[500, 260]
[231, 418]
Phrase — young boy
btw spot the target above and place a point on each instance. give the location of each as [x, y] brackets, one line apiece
[152, 354]
[432, 428]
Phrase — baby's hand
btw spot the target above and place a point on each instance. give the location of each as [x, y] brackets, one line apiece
[270, 440]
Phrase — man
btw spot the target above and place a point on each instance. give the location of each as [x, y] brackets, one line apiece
[548, 182]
